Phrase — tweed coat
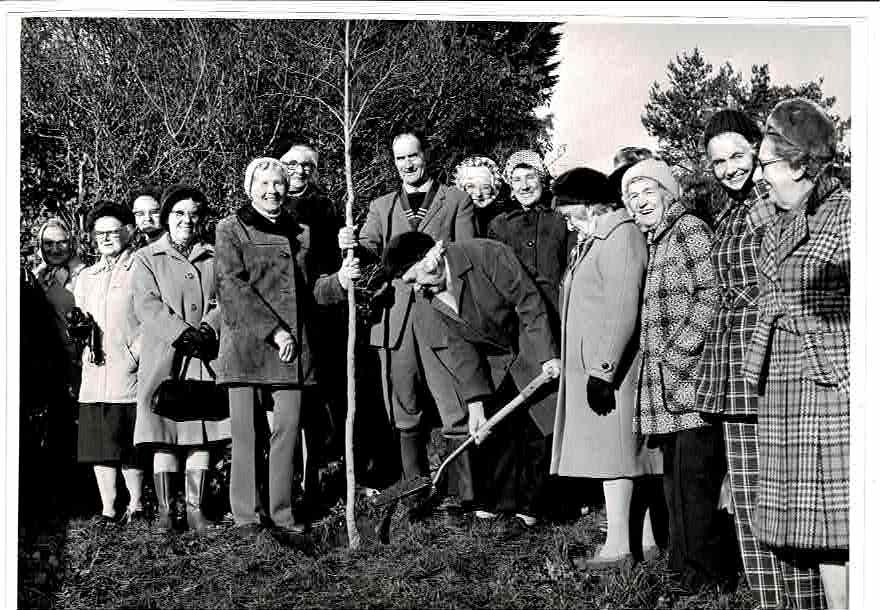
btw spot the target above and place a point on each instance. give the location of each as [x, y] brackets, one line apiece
[171, 293]
[501, 325]
[677, 310]
[450, 217]
[736, 245]
[263, 283]
[799, 359]
[105, 291]
[601, 296]
[541, 240]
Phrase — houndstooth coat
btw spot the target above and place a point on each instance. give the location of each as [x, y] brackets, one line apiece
[799, 359]
[677, 309]
[736, 245]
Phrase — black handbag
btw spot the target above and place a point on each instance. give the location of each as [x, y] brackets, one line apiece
[183, 400]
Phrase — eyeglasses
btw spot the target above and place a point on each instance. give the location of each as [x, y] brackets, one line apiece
[114, 234]
[764, 164]
[307, 167]
[145, 213]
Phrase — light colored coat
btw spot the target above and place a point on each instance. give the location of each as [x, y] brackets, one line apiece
[105, 292]
[450, 217]
[171, 293]
[600, 310]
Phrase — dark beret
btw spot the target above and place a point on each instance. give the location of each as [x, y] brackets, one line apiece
[735, 121]
[582, 186]
[404, 251]
[179, 192]
[108, 208]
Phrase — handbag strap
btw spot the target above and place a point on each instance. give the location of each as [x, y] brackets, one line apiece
[180, 364]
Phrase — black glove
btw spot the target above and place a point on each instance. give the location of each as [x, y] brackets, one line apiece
[79, 325]
[600, 395]
[209, 344]
[189, 342]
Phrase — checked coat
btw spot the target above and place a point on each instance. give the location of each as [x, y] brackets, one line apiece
[799, 359]
[677, 310]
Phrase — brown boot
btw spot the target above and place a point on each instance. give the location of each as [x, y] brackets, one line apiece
[195, 488]
[165, 496]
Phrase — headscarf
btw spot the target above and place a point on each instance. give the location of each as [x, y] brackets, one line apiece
[261, 163]
[525, 157]
[64, 274]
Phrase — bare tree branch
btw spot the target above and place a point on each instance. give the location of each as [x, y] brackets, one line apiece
[318, 100]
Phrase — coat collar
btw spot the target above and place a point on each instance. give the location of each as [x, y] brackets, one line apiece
[459, 264]
[676, 210]
[124, 261]
[285, 226]
[606, 223]
[797, 230]
[163, 246]
[436, 204]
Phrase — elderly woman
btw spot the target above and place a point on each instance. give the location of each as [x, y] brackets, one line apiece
[593, 435]
[108, 393]
[147, 211]
[677, 309]
[480, 178]
[175, 304]
[799, 353]
[267, 298]
[731, 139]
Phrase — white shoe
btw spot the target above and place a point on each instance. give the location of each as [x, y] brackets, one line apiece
[528, 520]
[484, 514]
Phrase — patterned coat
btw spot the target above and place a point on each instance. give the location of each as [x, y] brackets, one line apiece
[677, 310]
[721, 386]
[799, 359]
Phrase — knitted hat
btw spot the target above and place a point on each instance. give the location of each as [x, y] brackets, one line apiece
[179, 192]
[404, 251]
[582, 186]
[804, 125]
[103, 209]
[524, 157]
[262, 163]
[735, 121]
[654, 169]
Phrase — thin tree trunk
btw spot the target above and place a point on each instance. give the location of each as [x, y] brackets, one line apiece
[354, 538]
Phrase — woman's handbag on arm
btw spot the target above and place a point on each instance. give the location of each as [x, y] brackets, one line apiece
[182, 400]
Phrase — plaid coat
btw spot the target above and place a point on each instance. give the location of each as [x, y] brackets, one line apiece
[799, 359]
[721, 386]
[677, 310]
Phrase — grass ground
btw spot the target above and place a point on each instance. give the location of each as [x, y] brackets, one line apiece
[434, 563]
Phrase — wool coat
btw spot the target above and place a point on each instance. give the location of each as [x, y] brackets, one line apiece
[678, 307]
[263, 283]
[601, 297]
[171, 294]
[500, 327]
[541, 240]
[721, 386]
[798, 360]
[105, 291]
[450, 217]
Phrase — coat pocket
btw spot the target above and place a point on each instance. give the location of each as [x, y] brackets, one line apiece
[826, 359]
[676, 392]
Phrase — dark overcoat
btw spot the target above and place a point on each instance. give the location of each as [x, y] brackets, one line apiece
[450, 217]
[799, 360]
[263, 283]
[501, 326]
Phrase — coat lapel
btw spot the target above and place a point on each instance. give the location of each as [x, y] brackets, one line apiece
[436, 206]
[795, 234]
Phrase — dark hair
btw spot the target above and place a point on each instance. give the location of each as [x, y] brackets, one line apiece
[404, 251]
[103, 209]
[630, 155]
[179, 192]
[150, 190]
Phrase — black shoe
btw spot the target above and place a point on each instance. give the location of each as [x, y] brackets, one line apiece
[247, 530]
[295, 538]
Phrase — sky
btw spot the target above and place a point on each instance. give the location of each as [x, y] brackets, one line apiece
[606, 70]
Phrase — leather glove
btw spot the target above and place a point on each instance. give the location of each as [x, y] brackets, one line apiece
[209, 343]
[79, 325]
[188, 343]
[600, 395]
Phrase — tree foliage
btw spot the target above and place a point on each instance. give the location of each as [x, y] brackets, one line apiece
[109, 105]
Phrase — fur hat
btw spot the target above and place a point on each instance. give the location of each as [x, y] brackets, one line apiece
[108, 208]
[804, 125]
[179, 192]
[735, 121]
[582, 186]
[655, 170]
[404, 251]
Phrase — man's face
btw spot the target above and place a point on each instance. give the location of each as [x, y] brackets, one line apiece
[428, 276]
[410, 160]
[146, 214]
[301, 164]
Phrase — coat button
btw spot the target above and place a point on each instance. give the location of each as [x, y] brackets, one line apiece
[285, 254]
[605, 366]
[531, 243]
[190, 276]
[193, 307]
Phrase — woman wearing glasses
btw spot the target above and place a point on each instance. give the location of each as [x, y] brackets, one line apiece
[147, 213]
[731, 139]
[108, 392]
[799, 353]
[175, 304]
[480, 178]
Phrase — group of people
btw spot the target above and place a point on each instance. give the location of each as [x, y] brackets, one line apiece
[713, 358]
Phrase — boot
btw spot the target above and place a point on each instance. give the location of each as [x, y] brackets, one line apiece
[461, 480]
[165, 495]
[195, 489]
[413, 455]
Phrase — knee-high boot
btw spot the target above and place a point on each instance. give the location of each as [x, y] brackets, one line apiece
[164, 482]
[195, 491]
